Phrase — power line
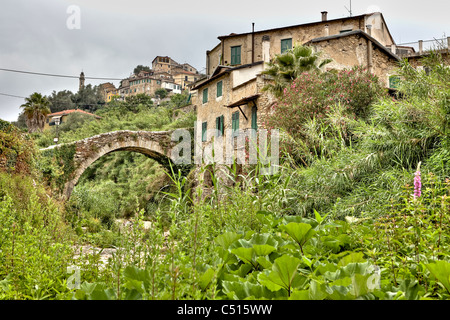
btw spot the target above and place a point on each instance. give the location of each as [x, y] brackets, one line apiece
[57, 75]
[11, 95]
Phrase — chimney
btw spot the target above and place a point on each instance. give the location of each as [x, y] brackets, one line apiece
[324, 15]
[253, 42]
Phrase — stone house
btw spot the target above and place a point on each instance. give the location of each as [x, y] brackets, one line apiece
[60, 117]
[231, 96]
[109, 90]
[246, 48]
[184, 78]
[164, 64]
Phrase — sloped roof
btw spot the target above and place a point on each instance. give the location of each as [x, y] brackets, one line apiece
[352, 33]
[67, 112]
[221, 70]
[309, 24]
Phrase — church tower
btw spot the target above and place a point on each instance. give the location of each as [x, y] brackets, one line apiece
[81, 80]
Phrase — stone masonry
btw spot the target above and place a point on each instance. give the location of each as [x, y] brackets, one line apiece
[156, 145]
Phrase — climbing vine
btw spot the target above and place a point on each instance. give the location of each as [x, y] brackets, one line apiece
[57, 165]
[17, 151]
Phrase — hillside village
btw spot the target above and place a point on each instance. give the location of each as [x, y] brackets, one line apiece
[230, 94]
[95, 204]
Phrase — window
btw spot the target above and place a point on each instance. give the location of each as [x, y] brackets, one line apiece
[235, 123]
[219, 125]
[344, 31]
[286, 44]
[235, 55]
[254, 119]
[219, 89]
[204, 130]
[186, 78]
[394, 82]
[205, 95]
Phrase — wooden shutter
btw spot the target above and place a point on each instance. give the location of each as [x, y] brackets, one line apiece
[205, 95]
[219, 89]
[254, 119]
[235, 55]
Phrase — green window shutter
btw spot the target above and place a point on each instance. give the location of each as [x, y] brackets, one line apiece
[205, 95]
[254, 119]
[219, 125]
[204, 130]
[394, 82]
[286, 44]
[235, 123]
[235, 55]
[219, 89]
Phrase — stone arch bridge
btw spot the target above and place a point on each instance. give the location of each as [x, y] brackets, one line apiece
[81, 154]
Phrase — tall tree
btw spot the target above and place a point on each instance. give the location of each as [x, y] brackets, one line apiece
[89, 98]
[62, 100]
[36, 108]
[140, 68]
[288, 66]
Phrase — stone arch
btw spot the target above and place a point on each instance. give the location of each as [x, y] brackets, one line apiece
[155, 145]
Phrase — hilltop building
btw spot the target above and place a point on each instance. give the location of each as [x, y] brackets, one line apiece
[166, 74]
[109, 90]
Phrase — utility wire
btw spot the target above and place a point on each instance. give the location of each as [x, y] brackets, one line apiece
[10, 95]
[57, 75]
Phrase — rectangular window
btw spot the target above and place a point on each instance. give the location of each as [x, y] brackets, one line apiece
[235, 55]
[254, 119]
[204, 130]
[219, 89]
[286, 44]
[219, 125]
[205, 95]
[394, 82]
[235, 123]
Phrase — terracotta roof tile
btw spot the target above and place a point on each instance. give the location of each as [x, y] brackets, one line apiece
[66, 112]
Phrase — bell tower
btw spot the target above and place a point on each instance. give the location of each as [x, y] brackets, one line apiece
[81, 81]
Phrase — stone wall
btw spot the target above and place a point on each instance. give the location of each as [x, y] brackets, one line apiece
[156, 145]
[353, 50]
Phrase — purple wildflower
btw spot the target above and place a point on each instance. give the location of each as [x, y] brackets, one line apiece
[417, 185]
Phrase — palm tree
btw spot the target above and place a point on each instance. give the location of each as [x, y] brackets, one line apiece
[286, 67]
[35, 109]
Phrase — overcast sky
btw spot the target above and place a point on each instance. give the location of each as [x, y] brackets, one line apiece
[115, 36]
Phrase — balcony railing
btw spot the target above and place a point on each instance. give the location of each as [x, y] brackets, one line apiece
[420, 47]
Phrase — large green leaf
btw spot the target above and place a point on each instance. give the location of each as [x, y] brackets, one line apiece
[206, 278]
[300, 232]
[245, 290]
[284, 274]
[353, 257]
[226, 239]
[441, 270]
[245, 254]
